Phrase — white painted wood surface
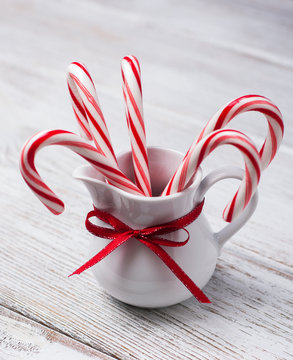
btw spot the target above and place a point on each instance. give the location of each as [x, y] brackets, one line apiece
[195, 56]
[21, 338]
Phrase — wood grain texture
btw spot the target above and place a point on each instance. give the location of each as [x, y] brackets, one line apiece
[195, 56]
[21, 338]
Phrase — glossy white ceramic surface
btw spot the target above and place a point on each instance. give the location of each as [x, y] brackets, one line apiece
[133, 273]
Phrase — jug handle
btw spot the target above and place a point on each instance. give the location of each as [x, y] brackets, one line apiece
[213, 177]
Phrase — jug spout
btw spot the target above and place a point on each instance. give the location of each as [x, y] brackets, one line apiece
[100, 191]
[135, 210]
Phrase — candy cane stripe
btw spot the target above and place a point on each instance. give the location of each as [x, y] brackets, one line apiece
[229, 209]
[106, 167]
[85, 70]
[252, 103]
[134, 106]
[132, 94]
[82, 125]
[248, 191]
[141, 176]
[76, 102]
[78, 109]
[135, 69]
[101, 134]
[199, 151]
[138, 139]
[82, 87]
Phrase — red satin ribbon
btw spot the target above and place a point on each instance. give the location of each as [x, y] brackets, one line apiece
[147, 236]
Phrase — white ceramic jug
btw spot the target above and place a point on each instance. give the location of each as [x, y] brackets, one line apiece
[134, 274]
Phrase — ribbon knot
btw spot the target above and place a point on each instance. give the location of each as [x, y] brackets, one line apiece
[136, 233]
[150, 237]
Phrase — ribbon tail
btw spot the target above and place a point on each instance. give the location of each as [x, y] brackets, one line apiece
[176, 269]
[103, 253]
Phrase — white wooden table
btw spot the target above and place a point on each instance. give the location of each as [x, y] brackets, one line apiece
[195, 56]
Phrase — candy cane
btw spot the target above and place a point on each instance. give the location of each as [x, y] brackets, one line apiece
[252, 103]
[80, 146]
[78, 108]
[134, 114]
[87, 108]
[199, 151]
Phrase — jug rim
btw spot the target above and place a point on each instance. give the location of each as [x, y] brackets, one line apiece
[79, 175]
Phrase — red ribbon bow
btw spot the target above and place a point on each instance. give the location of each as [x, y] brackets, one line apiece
[147, 236]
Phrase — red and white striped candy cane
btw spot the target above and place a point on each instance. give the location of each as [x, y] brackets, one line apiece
[132, 93]
[87, 108]
[78, 108]
[80, 146]
[251, 103]
[199, 151]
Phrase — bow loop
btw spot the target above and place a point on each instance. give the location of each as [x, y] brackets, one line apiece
[121, 232]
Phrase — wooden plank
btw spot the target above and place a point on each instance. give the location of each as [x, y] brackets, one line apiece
[195, 57]
[21, 338]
